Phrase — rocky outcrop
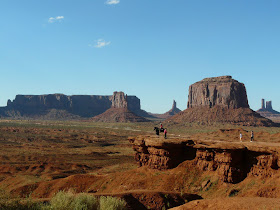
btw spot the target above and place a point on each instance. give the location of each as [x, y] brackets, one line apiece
[119, 100]
[268, 112]
[60, 106]
[232, 162]
[173, 111]
[119, 111]
[222, 91]
[161, 154]
[219, 100]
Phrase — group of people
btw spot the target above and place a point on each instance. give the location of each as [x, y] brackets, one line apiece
[164, 130]
[252, 136]
[161, 129]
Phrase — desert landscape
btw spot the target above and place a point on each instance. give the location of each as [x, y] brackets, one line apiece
[201, 164]
[135, 105]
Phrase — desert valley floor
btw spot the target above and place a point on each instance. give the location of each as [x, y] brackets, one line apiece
[40, 158]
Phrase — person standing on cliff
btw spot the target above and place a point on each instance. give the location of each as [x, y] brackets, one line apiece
[252, 136]
[240, 136]
[165, 133]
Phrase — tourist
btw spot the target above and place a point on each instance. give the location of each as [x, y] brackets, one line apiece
[252, 136]
[165, 133]
[240, 136]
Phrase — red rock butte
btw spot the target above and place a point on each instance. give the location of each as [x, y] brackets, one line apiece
[119, 111]
[219, 100]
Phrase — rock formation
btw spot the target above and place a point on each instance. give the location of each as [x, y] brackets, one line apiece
[222, 91]
[219, 100]
[268, 112]
[173, 111]
[119, 100]
[232, 162]
[119, 111]
[60, 106]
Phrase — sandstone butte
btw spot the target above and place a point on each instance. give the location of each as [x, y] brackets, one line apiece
[219, 100]
[119, 111]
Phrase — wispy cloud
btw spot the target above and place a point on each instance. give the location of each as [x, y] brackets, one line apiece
[110, 2]
[100, 43]
[54, 19]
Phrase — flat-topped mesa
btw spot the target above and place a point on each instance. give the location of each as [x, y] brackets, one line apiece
[119, 100]
[222, 91]
[85, 106]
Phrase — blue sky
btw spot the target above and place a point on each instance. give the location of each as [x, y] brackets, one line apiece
[149, 48]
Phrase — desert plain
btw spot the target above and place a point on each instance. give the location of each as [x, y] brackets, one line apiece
[41, 158]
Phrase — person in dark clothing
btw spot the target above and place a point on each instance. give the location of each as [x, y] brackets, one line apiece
[252, 136]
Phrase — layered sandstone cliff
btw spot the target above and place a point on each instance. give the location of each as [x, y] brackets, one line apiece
[232, 162]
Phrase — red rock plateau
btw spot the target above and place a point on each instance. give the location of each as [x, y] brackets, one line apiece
[219, 100]
[119, 111]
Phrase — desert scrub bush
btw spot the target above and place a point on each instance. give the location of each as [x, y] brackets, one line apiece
[63, 201]
[111, 203]
[7, 202]
[85, 201]
[68, 201]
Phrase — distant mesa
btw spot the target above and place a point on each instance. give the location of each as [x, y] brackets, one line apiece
[267, 111]
[119, 112]
[173, 111]
[219, 100]
[63, 107]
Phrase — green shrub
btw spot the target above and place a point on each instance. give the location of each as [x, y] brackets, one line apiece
[63, 201]
[112, 203]
[85, 201]
[68, 201]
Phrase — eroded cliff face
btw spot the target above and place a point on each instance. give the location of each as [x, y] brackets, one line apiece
[84, 106]
[222, 91]
[119, 100]
[232, 162]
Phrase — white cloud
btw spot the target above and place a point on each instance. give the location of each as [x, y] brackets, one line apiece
[110, 2]
[54, 19]
[100, 43]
